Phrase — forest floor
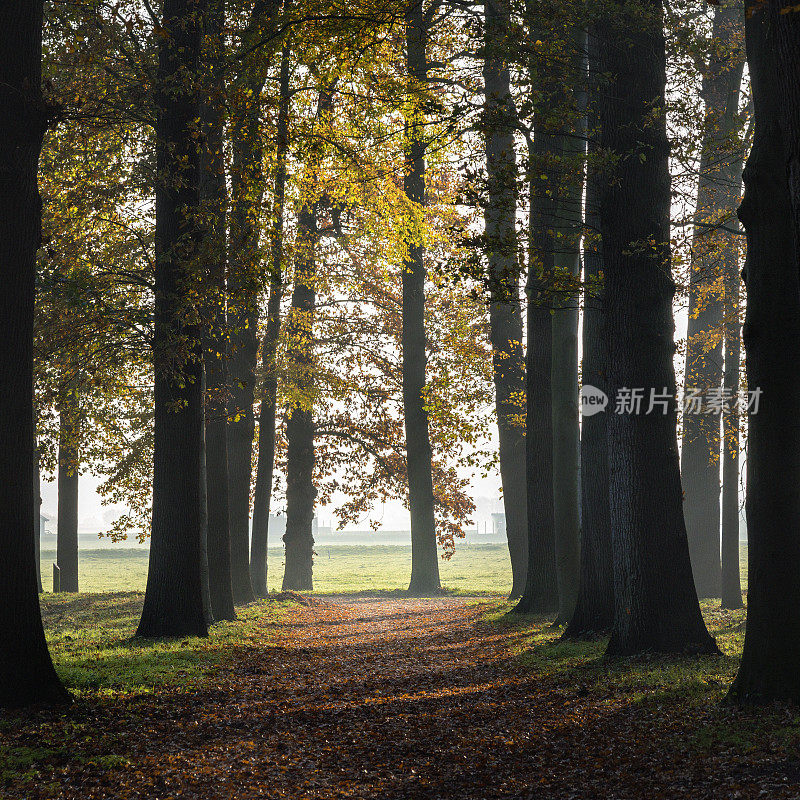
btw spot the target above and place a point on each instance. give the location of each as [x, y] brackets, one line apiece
[386, 697]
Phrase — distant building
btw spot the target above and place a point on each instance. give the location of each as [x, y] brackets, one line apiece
[499, 523]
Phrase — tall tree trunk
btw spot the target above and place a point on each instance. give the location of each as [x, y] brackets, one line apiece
[594, 610]
[37, 510]
[700, 454]
[26, 671]
[731, 581]
[68, 463]
[244, 284]
[541, 585]
[176, 599]
[424, 556]
[269, 348]
[505, 315]
[300, 491]
[243, 327]
[214, 196]
[655, 599]
[567, 264]
[769, 666]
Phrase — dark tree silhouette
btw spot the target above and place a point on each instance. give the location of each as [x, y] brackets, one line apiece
[300, 491]
[26, 671]
[68, 462]
[424, 556]
[594, 610]
[214, 196]
[541, 586]
[700, 453]
[656, 606]
[269, 347]
[176, 600]
[771, 334]
[505, 314]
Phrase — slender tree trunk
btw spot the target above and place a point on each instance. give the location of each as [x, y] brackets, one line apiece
[243, 326]
[700, 454]
[567, 264]
[505, 315]
[731, 581]
[424, 556]
[26, 671]
[37, 511]
[594, 610]
[769, 666]
[176, 599]
[68, 463]
[541, 586]
[244, 284]
[214, 196]
[269, 347]
[656, 602]
[300, 491]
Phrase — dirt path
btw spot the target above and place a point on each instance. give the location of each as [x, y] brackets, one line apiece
[418, 699]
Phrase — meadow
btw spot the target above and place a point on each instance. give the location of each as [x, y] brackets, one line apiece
[473, 569]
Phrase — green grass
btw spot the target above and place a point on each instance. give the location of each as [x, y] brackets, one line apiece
[105, 667]
[474, 569]
[94, 650]
[645, 679]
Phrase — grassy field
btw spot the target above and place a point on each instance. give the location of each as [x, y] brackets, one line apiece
[90, 638]
[475, 568]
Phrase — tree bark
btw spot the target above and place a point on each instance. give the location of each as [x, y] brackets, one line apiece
[424, 555]
[214, 196]
[26, 671]
[37, 511]
[700, 454]
[176, 599]
[247, 181]
[771, 333]
[300, 491]
[571, 144]
[655, 600]
[594, 610]
[505, 314]
[269, 347]
[68, 463]
[731, 581]
[541, 585]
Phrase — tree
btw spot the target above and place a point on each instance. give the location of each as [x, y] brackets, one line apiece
[570, 171]
[246, 278]
[594, 610]
[214, 198]
[301, 492]
[269, 347]
[176, 599]
[68, 479]
[27, 675]
[541, 585]
[768, 670]
[656, 606]
[505, 315]
[424, 557]
[731, 580]
[721, 148]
